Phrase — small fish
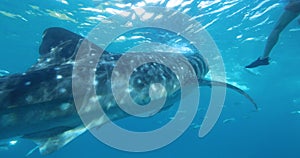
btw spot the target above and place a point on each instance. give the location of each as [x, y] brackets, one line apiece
[229, 120]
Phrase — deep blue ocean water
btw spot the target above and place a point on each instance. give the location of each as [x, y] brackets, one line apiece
[239, 28]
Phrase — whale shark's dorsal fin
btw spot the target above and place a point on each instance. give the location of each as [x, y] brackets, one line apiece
[59, 46]
[55, 38]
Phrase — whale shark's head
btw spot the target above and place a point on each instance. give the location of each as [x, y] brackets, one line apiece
[158, 78]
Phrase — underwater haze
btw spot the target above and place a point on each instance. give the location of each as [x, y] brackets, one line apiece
[239, 29]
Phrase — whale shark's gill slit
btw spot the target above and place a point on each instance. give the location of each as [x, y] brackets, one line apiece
[210, 83]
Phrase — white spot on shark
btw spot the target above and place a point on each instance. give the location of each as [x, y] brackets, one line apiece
[139, 81]
[13, 142]
[94, 99]
[65, 106]
[29, 98]
[95, 83]
[62, 90]
[59, 77]
[56, 68]
[27, 83]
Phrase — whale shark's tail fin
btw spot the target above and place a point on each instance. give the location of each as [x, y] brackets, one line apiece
[210, 83]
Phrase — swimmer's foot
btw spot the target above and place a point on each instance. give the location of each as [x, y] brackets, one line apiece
[259, 62]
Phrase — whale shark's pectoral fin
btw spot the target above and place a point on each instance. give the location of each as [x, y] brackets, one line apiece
[50, 143]
[217, 83]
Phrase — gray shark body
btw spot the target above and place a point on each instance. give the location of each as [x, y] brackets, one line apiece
[39, 104]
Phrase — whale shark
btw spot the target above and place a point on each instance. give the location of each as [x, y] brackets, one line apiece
[39, 104]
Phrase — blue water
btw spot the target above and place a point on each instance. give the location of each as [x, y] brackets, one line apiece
[239, 28]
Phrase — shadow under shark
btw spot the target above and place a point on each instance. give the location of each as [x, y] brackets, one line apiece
[39, 104]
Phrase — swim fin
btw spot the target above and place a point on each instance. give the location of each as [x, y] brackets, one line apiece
[259, 62]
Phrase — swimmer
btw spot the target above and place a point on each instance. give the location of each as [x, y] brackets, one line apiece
[291, 11]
